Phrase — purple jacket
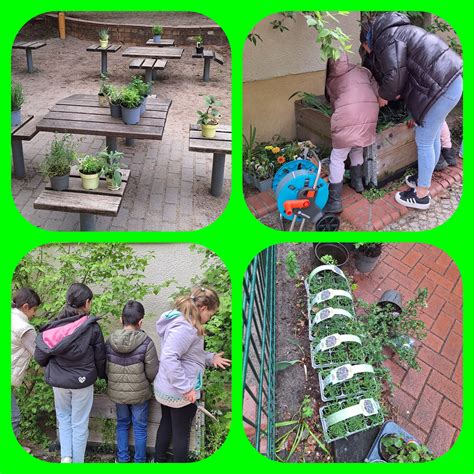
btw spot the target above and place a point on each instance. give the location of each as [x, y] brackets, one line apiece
[182, 358]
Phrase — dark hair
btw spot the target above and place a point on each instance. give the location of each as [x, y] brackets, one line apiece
[25, 296]
[133, 312]
[365, 27]
[76, 297]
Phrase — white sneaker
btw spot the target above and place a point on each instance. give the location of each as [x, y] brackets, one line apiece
[67, 460]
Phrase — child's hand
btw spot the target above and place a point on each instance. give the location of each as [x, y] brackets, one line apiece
[190, 396]
[411, 123]
[219, 362]
[382, 102]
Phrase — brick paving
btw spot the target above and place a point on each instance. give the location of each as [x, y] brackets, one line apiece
[428, 403]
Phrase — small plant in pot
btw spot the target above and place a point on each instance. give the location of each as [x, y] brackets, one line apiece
[157, 32]
[210, 118]
[114, 102]
[199, 44]
[90, 168]
[143, 88]
[394, 448]
[337, 253]
[111, 168]
[130, 102]
[17, 102]
[367, 256]
[57, 163]
[104, 38]
[104, 91]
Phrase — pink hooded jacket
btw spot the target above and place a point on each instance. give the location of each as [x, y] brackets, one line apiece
[352, 91]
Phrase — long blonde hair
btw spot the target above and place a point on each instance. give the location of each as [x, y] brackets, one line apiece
[189, 305]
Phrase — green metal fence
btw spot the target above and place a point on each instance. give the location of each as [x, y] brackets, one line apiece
[259, 358]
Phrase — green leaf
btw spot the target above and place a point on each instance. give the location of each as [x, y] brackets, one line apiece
[284, 364]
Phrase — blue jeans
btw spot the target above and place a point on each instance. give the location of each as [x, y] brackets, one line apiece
[73, 407]
[137, 415]
[428, 135]
[15, 415]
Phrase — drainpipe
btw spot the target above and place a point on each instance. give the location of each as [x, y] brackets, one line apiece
[62, 25]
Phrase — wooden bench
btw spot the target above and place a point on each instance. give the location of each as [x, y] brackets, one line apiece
[150, 66]
[209, 55]
[111, 48]
[162, 44]
[23, 132]
[89, 204]
[29, 46]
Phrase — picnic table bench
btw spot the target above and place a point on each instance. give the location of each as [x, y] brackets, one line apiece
[111, 48]
[209, 55]
[150, 65]
[219, 146]
[82, 114]
[88, 203]
[23, 132]
[162, 44]
[29, 46]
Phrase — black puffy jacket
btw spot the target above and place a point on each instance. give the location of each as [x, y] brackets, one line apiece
[73, 352]
[415, 64]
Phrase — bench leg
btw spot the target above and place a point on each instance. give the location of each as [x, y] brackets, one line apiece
[103, 63]
[217, 180]
[29, 60]
[18, 159]
[207, 69]
[129, 141]
[111, 143]
[87, 222]
[148, 75]
[154, 74]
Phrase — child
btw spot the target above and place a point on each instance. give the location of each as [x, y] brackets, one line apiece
[24, 306]
[352, 92]
[72, 349]
[132, 365]
[182, 363]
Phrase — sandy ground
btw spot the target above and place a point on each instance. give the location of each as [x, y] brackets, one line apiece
[63, 68]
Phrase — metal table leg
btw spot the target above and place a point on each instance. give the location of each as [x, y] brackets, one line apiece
[129, 141]
[18, 159]
[207, 69]
[29, 60]
[111, 143]
[87, 222]
[217, 180]
[154, 74]
[148, 74]
[103, 63]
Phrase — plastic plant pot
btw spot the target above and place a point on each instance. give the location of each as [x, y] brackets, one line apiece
[339, 321]
[16, 117]
[115, 110]
[104, 43]
[208, 131]
[143, 106]
[131, 116]
[343, 418]
[264, 185]
[331, 298]
[199, 49]
[59, 183]
[338, 251]
[156, 38]
[323, 277]
[89, 181]
[336, 349]
[393, 298]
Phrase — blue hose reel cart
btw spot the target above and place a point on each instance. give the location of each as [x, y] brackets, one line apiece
[302, 194]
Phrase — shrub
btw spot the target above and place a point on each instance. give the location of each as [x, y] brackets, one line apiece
[17, 96]
[60, 158]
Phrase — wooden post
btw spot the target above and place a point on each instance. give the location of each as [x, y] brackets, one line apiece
[62, 25]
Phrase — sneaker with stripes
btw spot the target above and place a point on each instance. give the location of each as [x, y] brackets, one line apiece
[412, 180]
[410, 199]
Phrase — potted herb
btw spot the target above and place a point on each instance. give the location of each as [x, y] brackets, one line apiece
[199, 44]
[90, 168]
[104, 38]
[210, 118]
[333, 253]
[114, 102]
[157, 32]
[104, 91]
[143, 88]
[367, 256]
[111, 168]
[17, 102]
[130, 102]
[58, 161]
[394, 448]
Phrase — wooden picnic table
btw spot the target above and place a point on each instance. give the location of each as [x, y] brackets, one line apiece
[219, 146]
[29, 46]
[88, 203]
[162, 44]
[111, 48]
[81, 114]
[208, 55]
[155, 53]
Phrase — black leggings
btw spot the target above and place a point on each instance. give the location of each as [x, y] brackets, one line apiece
[175, 427]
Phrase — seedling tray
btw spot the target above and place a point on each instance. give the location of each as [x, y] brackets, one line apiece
[330, 298]
[346, 352]
[389, 427]
[325, 276]
[355, 414]
[332, 320]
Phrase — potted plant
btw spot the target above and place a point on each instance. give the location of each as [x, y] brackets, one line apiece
[333, 253]
[104, 91]
[111, 168]
[130, 102]
[104, 38]
[58, 161]
[114, 102]
[210, 118]
[367, 255]
[157, 32]
[143, 88]
[90, 168]
[199, 44]
[394, 448]
[17, 102]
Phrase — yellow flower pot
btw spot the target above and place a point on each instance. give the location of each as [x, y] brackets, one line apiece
[104, 43]
[89, 181]
[209, 131]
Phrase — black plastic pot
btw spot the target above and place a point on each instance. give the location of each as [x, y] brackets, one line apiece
[365, 264]
[59, 183]
[336, 250]
[393, 298]
[115, 110]
[199, 49]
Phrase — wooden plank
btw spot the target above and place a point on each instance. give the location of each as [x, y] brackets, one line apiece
[219, 58]
[19, 45]
[75, 186]
[220, 127]
[125, 174]
[149, 63]
[157, 53]
[95, 119]
[93, 101]
[24, 121]
[136, 63]
[164, 43]
[160, 64]
[38, 45]
[28, 44]
[223, 136]
[210, 146]
[66, 201]
[93, 47]
[113, 48]
[208, 53]
[151, 112]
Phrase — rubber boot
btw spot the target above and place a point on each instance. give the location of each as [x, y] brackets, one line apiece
[334, 204]
[442, 164]
[356, 179]
[448, 154]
